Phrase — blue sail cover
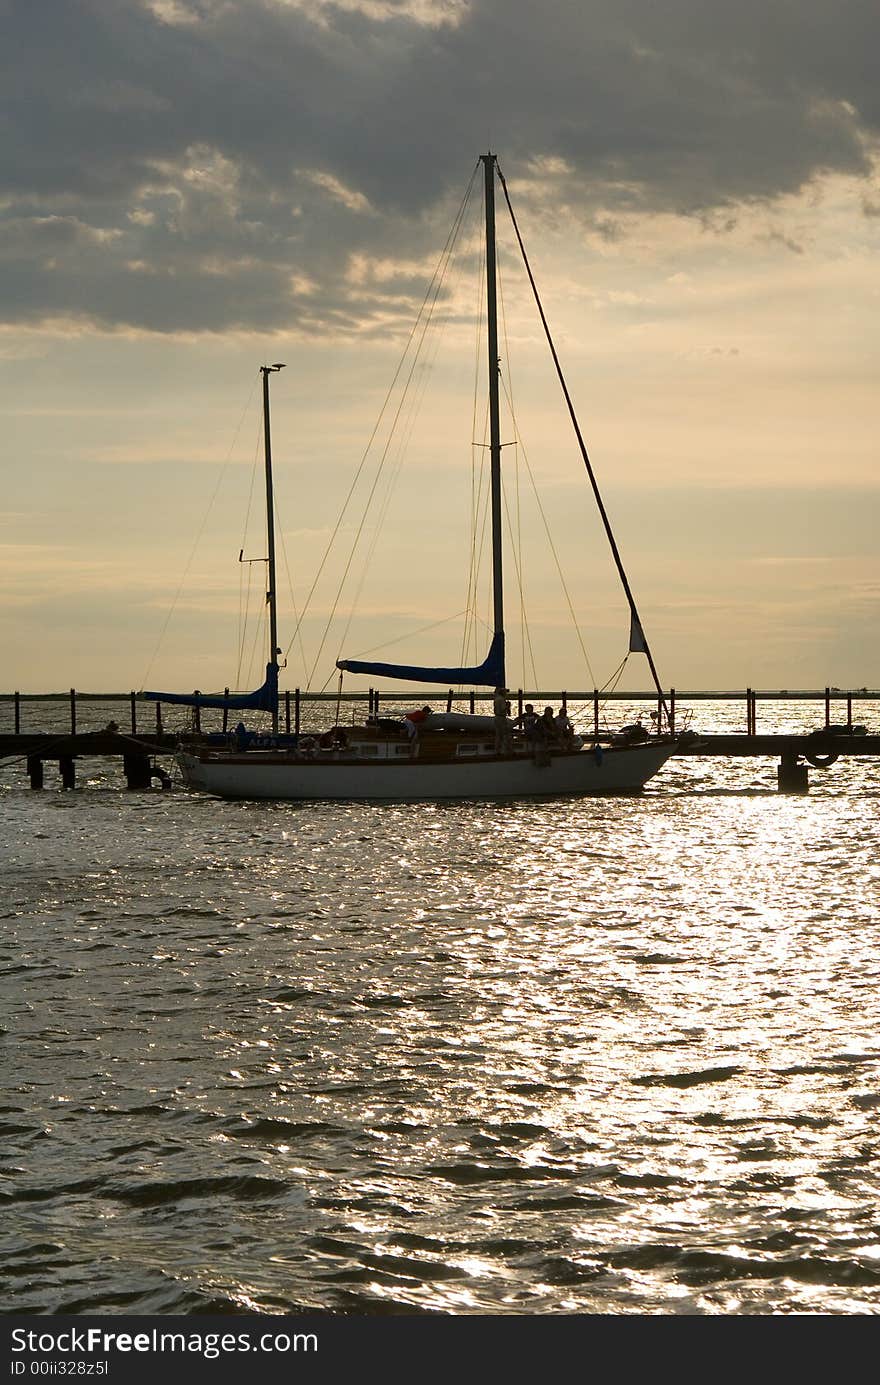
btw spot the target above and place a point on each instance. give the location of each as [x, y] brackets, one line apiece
[264, 699]
[489, 674]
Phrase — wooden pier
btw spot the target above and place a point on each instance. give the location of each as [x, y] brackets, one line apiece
[796, 753]
[137, 753]
[140, 750]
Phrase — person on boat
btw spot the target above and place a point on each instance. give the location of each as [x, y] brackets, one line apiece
[527, 722]
[549, 727]
[503, 724]
[413, 721]
[564, 728]
[419, 715]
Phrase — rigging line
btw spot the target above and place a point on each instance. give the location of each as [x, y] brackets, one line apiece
[517, 541]
[612, 684]
[616, 676]
[542, 512]
[258, 635]
[482, 492]
[475, 490]
[479, 499]
[522, 603]
[243, 608]
[244, 625]
[198, 536]
[383, 511]
[363, 520]
[413, 403]
[481, 527]
[439, 278]
[298, 631]
[522, 612]
[476, 241]
[478, 544]
[447, 248]
[254, 467]
[584, 454]
[405, 400]
[243, 621]
[338, 699]
[423, 629]
[450, 239]
[242, 611]
[384, 507]
[476, 499]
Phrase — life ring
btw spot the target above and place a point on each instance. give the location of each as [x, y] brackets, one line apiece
[821, 761]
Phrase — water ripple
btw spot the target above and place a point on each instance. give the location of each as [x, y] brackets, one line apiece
[608, 1057]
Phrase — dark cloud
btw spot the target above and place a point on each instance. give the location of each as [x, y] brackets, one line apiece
[206, 164]
[778, 238]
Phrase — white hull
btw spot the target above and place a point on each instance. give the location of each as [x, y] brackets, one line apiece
[620, 769]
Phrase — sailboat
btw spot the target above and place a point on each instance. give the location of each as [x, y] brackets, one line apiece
[443, 756]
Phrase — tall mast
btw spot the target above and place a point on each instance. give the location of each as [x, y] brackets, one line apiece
[266, 371]
[489, 161]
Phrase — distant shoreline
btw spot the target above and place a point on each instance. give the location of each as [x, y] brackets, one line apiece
[398, 695]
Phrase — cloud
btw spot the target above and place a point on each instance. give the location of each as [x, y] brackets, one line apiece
[192, 165]
[779, 238]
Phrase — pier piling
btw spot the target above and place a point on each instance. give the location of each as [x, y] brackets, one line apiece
[137, 771]
[791, 776]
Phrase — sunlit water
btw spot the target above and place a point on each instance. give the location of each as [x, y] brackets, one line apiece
[603, 1056]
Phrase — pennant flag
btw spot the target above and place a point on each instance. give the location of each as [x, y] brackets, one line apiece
[637, 642]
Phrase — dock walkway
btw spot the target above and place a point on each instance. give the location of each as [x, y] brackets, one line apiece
[139, 754]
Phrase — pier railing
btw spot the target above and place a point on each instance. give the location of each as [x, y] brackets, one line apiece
[147, 717]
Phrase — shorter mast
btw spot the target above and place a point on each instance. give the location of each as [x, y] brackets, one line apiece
[274, 651]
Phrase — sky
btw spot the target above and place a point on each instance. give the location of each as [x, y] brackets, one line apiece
[193, 188]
